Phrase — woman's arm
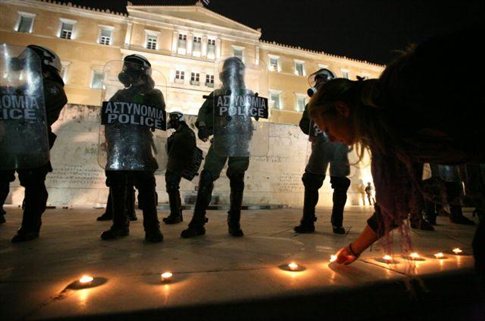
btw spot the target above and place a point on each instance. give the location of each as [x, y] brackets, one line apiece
[351, 252]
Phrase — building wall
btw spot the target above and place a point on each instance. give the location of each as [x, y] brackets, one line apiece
[78, 180]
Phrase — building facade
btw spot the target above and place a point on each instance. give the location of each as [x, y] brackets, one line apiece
[185, 45]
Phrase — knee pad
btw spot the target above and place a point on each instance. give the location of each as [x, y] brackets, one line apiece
[340, 183]
[312, 181]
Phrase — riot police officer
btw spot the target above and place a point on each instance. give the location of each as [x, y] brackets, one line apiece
[130, 160]
[180, 148]
[232, 139]
[33, 179]
[324, 153]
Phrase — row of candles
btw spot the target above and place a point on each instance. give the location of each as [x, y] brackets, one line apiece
[87, 280]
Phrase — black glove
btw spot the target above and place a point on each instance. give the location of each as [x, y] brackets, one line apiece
[203, 133]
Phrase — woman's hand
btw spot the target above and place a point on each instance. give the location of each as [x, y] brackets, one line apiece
[345, 256]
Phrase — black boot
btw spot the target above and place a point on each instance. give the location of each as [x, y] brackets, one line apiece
[108, 213]
[204, 195]
[340, 186]
[457, 217]
[34, 206]
[119, 194]
[236, 198]
[312, 183]
[175, 215]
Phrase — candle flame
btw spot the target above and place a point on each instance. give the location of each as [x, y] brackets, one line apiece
[439, 255]
[165, 276]
[414, 255]
[387, 258]
[86, 279]
[333, 258]
[457, 250]
[293, 266]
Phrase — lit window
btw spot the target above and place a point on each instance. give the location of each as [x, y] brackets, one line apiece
[239, 53]
[179, 76]
[299, 69]
[66, 30]
[105, 36]
[194, 78]
[275, 100]
[345, 74]
[151, 42]
[182, 44]
[25, 22]
[274, 64]
[209, 80]
[197, 44]
[211, 48]
[97, 80]
[300, 103]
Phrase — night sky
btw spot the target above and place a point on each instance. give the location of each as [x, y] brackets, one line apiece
[370, 30]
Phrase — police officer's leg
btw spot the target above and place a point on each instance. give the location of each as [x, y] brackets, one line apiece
[35, 201]
[212, 168]
[312, 183]
[235, 172]
[172, 185]
[119, 194]
[453, 192]
[130, 204]
[340, 186]
[5, 178]
[145, 183]
[108, 213]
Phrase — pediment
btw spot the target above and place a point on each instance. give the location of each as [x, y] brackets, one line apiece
[195, 15]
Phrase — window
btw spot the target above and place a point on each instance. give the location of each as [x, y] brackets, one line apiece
[211, 48]
[105, 36]
[239, 53]
[179, 76]
[345, 74]
[66, 30]
[152, 42]
[97, 80]
[209, 81]
[194, 78]
[274, 63]
[275, 100]
[300, 102]
[299, 68]
[197, 44]
[25, 22]
[182, 44]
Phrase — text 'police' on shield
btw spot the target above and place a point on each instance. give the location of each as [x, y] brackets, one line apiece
[242, 105]
[19, 107]
[132, 114]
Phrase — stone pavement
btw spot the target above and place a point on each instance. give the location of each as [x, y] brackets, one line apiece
[218, 277]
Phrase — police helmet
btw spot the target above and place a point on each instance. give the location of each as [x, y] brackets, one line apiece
[48, 58]
[174, 118]
[137, 63]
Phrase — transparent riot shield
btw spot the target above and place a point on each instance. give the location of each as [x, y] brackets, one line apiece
[23, 127]
[240, 110]
[132, 134]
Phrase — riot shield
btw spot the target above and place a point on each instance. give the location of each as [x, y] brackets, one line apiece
[132, 134]
[239, 107]
[23, 126]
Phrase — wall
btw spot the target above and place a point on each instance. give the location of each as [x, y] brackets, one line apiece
[274, 178]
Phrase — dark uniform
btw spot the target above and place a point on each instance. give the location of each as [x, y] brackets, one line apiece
[129, 147]
[235, 139]
[324, 153]
[33, 179]
[180, 148]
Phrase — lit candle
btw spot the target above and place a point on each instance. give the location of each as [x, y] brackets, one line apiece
[333, 258]
[457, 251]
[439, 255]
[86, 279]
[293, 266]
[414, 256]
[166, 276]
[387, 258]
